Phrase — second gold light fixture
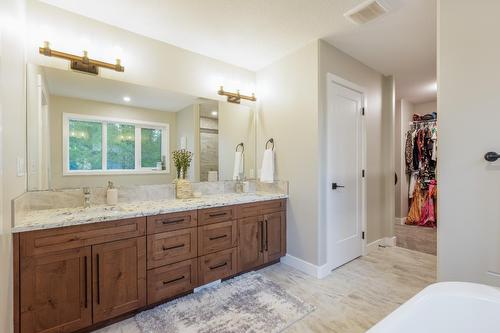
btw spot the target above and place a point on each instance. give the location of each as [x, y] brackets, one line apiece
[235, 97]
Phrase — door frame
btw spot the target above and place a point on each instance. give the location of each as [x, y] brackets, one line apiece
[332, 78]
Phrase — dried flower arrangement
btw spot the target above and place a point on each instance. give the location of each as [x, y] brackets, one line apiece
[182, 161]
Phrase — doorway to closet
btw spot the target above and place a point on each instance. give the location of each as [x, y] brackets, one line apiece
[344, 143]
[416, 148]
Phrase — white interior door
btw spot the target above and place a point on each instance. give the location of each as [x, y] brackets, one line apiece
[344, 174]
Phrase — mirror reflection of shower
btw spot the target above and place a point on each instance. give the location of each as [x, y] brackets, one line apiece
[209, 141]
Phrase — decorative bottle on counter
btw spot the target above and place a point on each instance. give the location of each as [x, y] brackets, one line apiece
[184, 189]
[111, 194]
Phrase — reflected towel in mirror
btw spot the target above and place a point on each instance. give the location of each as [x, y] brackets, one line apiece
[238, 165]
[267, 171]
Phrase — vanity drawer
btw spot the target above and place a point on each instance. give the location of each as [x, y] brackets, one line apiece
[216, 215]
[172, 221]
[261, 208]
[52, 240]
[216, 237]
[173, 246]
[171, 280]
[217, 266]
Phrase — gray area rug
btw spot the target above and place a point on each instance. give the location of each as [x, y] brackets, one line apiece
[248, 303]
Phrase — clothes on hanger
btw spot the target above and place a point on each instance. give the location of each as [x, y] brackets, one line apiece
[427, 216]
[421, 163]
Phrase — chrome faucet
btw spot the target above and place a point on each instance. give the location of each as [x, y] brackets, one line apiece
[86, 197]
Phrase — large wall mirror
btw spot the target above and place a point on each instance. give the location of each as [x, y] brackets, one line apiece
[84, 130]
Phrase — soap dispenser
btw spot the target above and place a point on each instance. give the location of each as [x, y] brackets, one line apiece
[111, 194]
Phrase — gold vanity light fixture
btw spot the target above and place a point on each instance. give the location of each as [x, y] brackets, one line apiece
[235, 97]
[83, 63]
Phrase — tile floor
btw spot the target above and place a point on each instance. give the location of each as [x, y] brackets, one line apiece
[351, 299]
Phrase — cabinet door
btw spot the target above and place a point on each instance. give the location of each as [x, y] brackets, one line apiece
[119, 277]
[275, 236]
[251, 246]
[56, 292]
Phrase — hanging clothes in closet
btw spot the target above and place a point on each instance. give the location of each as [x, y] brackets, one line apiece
[421, 162]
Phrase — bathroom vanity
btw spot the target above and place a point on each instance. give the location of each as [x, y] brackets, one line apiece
[80, 274]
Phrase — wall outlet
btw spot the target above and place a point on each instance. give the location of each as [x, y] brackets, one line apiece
[21, 167]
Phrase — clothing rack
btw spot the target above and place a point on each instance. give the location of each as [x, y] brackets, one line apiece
[417, 122]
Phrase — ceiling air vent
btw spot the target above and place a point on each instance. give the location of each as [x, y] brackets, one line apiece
[366, 12]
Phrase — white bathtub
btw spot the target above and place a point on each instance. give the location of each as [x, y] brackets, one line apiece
[456, 307]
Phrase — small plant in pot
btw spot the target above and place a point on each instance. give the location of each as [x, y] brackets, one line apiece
[182, 160]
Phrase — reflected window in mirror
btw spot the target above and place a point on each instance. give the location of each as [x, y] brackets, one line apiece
[99, 145]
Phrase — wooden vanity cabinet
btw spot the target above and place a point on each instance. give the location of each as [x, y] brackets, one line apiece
[55, 294]
[118, 277]
[262, 236]
[251, 237]
[64, 286]
[77, 277]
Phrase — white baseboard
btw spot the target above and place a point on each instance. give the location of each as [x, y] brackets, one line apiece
[386, 241]
[400, 220]
[324, 270]
[306, 267]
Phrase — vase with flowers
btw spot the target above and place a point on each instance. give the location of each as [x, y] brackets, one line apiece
[182, 161]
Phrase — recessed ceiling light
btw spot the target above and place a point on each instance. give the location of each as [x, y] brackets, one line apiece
[126, 98]
[214, 113]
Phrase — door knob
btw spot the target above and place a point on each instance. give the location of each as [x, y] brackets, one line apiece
[336, 186]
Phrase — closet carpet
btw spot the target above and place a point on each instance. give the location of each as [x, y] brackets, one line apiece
[351, 299]
[412, 237]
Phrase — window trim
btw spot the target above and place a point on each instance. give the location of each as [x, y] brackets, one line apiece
[165, 148]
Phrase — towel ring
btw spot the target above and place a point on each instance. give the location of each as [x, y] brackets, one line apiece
[242, 147]
[271, 140]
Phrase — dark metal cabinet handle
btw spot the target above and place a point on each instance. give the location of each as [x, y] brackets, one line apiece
[174, 280]
[491, 156]
[173, 221]
[172, 247]
[98, 279]
[261, 236]
[336, 186]
[217, 237]
[267, 243]
[218, 266]
[85, 270]
[217, 214]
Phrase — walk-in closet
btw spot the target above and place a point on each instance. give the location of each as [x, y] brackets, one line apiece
[417, 186]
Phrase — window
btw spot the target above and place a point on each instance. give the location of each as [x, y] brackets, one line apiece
[98, 145]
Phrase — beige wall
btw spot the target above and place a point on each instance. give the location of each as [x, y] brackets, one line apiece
[188, 126]
[147, 62]
[59, 105]
[288, 101]
[236, 124]
[12, 139]
[292, 95]
[425, 108]
[379, 126]
[468, 113]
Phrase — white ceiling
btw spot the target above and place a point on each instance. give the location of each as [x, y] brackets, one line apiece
[253, 34]
[71, 84]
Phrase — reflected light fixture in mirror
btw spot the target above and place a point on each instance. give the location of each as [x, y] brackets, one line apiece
[126, 99]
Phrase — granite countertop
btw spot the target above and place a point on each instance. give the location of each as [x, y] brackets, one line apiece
[62, 217]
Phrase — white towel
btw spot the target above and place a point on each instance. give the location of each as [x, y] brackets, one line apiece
[238, 165]
[267, 171]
